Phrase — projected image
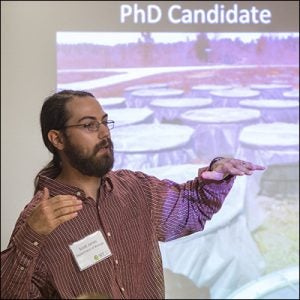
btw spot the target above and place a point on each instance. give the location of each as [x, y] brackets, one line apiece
[179, 100]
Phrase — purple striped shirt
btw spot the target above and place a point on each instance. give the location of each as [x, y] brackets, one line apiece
[133, 211]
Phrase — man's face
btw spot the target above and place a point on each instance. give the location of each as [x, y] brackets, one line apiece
[90, 152]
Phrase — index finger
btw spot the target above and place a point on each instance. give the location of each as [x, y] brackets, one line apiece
[256, 167]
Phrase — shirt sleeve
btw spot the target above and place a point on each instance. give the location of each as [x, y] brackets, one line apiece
[182, 209]
[21, 277]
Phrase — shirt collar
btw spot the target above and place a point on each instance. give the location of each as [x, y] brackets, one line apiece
[47, 179]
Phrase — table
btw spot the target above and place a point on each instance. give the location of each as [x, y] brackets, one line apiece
[129, 90]
[170, 109]
[130, 116]
[150, 145]
[141, 98]
[275, 110]
[232, 97]
[223, 256]
[293, 95]
[112, 102]
[217, 129]
[203, 90]
[269, 144]
[271, 91]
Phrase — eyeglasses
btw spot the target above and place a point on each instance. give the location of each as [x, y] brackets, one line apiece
[94, 126]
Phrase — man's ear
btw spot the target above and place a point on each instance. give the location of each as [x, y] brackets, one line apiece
[56, 139]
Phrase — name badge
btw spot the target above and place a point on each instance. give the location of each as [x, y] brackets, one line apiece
[90, 250]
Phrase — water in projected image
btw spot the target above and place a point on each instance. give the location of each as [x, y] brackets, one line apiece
[179, 100]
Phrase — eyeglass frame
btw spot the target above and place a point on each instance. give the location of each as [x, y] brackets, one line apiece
[106, 123]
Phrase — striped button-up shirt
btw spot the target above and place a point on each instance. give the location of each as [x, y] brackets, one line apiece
[133, 212]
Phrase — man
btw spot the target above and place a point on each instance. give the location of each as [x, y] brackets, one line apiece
[91, 230]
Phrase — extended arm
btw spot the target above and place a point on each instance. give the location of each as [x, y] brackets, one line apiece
[181, 209]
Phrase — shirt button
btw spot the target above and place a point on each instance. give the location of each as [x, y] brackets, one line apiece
[116, 261]
[108, 234]
[22, 268]
[35, 243]
[78, 193]
[122, 289]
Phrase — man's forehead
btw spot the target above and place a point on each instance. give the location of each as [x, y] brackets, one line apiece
[80, 106]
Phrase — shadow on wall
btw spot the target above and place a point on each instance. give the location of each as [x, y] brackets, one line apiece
[179, 286]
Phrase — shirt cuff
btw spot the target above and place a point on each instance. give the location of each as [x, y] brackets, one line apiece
[28, 241]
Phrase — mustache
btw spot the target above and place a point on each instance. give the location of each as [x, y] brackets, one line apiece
[104, 143]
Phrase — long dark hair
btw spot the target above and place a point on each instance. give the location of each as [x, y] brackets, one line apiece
[54, 116]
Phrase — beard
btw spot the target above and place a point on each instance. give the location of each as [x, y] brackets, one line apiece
[91, 165]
